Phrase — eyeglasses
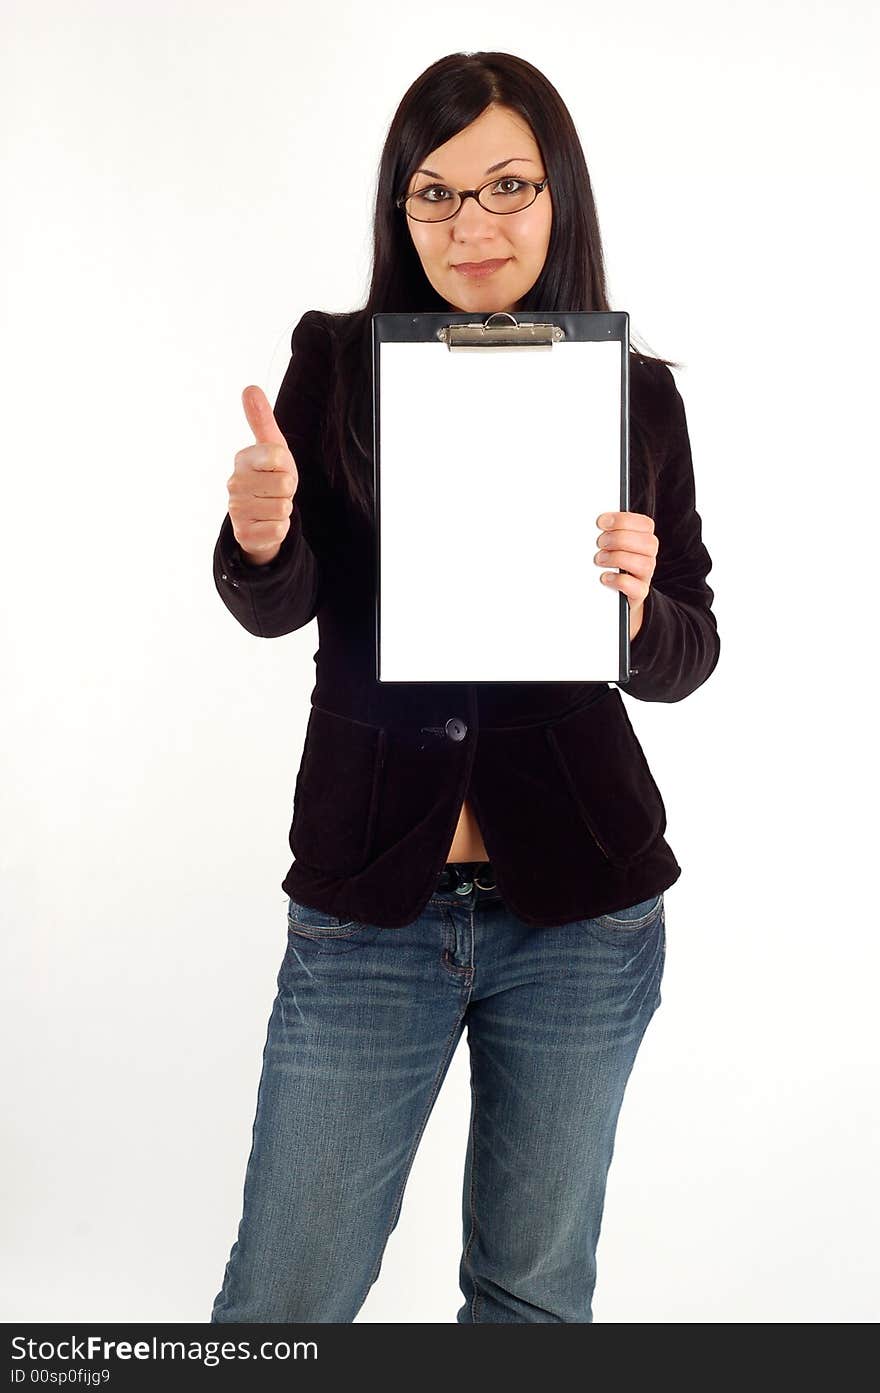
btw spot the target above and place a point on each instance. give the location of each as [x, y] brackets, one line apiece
[429, 205]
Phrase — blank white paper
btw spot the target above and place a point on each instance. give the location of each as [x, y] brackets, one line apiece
[494, 464]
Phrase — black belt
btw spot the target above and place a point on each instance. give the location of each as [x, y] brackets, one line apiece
[463, 876]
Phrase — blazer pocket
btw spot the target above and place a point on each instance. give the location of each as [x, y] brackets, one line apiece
[334, 800]
[607, 774]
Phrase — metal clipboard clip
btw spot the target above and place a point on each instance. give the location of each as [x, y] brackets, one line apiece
[510, 335]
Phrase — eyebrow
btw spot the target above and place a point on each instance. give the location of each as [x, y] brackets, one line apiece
[491, 170]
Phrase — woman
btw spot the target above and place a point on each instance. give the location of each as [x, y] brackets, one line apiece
[479, 854]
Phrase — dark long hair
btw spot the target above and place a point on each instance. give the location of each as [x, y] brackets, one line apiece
[446, 98]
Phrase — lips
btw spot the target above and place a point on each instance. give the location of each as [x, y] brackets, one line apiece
[479, 270]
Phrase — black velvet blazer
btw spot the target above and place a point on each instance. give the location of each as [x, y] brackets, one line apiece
[570, 814]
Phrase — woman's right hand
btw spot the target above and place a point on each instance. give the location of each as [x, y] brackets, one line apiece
[263, 484]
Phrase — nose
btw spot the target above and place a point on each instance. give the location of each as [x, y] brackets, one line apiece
[472, 214]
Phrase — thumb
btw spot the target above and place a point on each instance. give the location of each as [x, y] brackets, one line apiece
[260, 417]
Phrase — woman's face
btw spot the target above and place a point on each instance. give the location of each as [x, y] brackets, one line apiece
[518, 239]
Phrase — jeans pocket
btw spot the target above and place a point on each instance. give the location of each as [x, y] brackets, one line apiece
[626, 926]
[333, 931]
[635, 916]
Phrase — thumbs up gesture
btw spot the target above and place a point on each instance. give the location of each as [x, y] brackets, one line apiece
[262, 485]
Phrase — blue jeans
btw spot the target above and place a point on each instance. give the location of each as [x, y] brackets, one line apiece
[362, 1030]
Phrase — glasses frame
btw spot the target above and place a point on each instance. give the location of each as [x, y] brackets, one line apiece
[475, 194]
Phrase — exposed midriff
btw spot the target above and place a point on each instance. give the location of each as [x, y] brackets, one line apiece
[467, 843]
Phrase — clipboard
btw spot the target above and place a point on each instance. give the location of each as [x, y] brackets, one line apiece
[497, 442]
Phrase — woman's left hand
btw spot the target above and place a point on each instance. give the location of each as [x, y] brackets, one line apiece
[628, 541]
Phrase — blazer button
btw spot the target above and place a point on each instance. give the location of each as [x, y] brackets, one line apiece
[456, 728]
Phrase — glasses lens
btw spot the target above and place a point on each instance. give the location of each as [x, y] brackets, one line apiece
[508, 195]
[433, 204]
[436, 203]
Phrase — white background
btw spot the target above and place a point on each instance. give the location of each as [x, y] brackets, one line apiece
[167, 179]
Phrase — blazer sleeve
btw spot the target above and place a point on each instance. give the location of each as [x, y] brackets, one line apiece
[285, 594]
[677, 646]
